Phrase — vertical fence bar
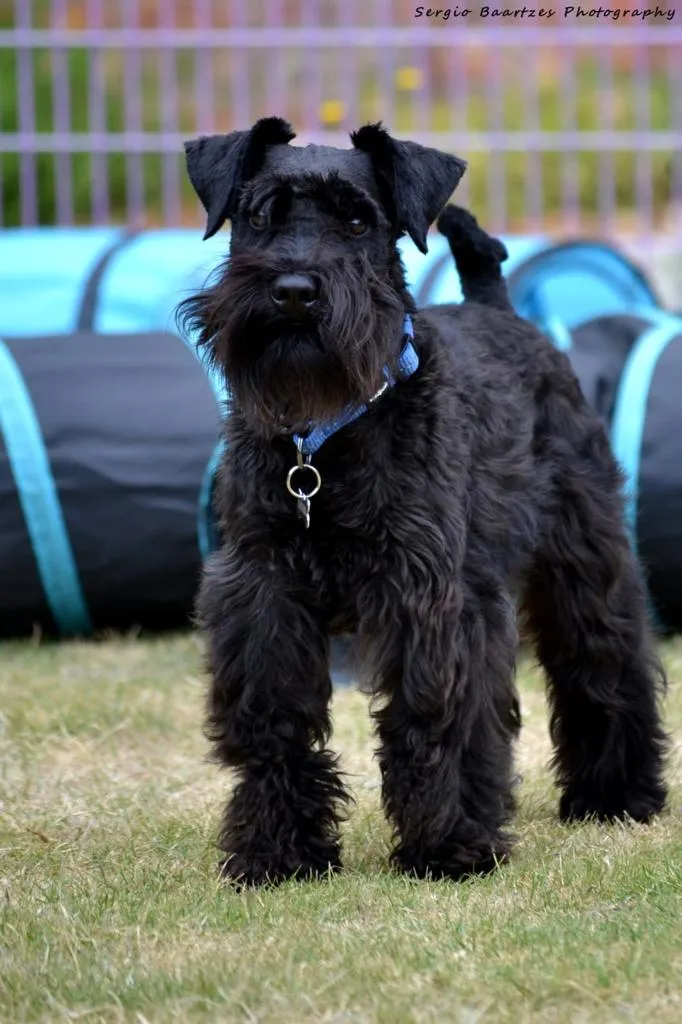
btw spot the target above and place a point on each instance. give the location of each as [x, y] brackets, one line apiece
[275, 92]
[99, 170]
[61, 117]
[132, 92]
[311, 57]
[425, 93]
[386, 66]
[203, 73]
[26, 97]
[675, 80]
[347, 65]
[497, 171]
[531, 78]
[643, 162]
[570, 190]
[422, 106]
[606, 171]
[458, 98]
[241, 107]
[169, 117]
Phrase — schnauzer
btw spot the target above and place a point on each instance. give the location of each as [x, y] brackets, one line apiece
[411, 477]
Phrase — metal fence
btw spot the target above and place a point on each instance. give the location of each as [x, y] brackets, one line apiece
[569, 123]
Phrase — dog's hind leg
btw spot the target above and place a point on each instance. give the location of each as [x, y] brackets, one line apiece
[268, 718]
[586, 608]
[447, 716]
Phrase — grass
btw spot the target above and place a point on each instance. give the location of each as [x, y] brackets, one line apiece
[110, 910]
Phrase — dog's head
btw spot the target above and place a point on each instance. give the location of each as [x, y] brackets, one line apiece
[309, 307]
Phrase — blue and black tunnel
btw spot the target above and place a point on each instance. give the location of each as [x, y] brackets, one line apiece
[110, 426]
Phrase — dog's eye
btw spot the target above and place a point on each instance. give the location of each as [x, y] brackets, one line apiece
[258, 220]
[357, 226]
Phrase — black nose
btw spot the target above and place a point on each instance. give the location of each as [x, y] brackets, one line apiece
[295, 293]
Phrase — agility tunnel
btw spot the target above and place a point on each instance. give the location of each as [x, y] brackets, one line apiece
[108, 426]
[105, 443]
[646, 436]
[630, 370]
[109, 423]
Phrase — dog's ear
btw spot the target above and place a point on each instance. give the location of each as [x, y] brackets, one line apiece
[218, 165]
[415, 181]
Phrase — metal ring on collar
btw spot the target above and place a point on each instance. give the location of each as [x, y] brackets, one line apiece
[299, 493]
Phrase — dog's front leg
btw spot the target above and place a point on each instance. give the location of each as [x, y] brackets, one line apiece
[446, 726]
[268, 718]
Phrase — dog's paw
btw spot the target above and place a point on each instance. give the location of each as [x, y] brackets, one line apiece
[454, 861]
[244, 871]
[638, 805]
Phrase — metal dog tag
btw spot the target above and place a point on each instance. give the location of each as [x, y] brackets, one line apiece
[303, 499]
[303, 507]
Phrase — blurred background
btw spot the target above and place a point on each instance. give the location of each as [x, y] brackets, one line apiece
[569, 125]
[572, 127]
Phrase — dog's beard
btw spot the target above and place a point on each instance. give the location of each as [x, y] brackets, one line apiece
[285, 374]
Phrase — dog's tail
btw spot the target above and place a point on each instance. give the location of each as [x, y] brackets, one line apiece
[478, 258]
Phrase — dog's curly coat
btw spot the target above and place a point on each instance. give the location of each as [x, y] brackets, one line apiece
[481, 483]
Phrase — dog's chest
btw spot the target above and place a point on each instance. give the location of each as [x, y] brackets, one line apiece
[358, 536]
[337, 576]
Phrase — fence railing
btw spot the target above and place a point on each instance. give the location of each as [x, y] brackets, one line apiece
[568, 126]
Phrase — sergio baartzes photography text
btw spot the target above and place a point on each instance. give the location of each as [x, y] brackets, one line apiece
[579, 11]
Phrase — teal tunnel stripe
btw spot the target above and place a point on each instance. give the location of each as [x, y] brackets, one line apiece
[207, 539]
[558, 333]
[39, 500]
[629, 417]
[205, 534]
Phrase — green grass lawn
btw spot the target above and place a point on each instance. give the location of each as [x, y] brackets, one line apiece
[110, 909]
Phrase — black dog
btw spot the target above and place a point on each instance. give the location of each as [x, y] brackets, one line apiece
[446, 478]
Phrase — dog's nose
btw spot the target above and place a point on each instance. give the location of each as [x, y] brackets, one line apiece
[295, 292]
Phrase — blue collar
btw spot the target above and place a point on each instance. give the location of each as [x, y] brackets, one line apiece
[408, 362]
